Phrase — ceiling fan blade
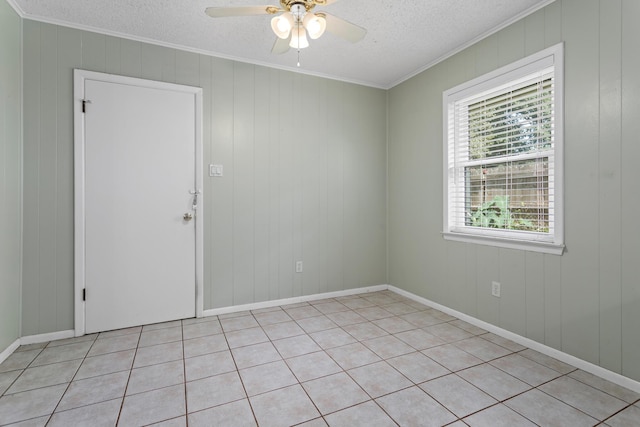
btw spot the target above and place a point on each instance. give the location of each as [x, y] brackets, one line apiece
[344, 29]
[281, 45]
[223, 12]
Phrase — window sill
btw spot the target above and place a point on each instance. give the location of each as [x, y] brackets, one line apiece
[544, 247]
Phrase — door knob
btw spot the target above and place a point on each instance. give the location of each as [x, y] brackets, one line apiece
[188, 216]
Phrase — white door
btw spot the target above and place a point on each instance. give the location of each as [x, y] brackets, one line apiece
[139, 228]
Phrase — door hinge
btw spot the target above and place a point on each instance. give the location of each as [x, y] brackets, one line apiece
[84, 294]
[84, 105]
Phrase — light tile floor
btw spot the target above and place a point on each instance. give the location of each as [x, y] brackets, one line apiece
[372, 359]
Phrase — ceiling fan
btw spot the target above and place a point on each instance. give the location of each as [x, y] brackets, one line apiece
[295, 20]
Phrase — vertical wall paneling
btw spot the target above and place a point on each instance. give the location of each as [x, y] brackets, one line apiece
[169, 65]
[187, 66]
[335, 176]
[486, 55]
[360, 218]
[69, 57]
[220, 217]
[394, 228]
[552, 264]
[320, 166]
[273, 205]
[297, 149]
[94, 52]
[206, 200]
[511, 43]
[580, 262]
[151, 62]
[407, 255]
[10, 174]
[553, 23]
[553, 302]
[513, 291]
[31, 203]
[372, 188]
[430, 173]
[534, 296]
[552, 312]
[309, 146]
[261, 184]
[471, 285]
[456, 277]
[112, 55]
[130, 58]
[286, 186]
[585, 302]
[350, 170]
[630, 203]
[243, 183]
[48, 178]
[488, 271]
[533, 37]
[609, 184]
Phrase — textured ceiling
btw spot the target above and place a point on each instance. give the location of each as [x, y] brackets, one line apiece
[404, 37]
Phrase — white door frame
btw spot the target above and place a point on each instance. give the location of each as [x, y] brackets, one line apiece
[80, 76]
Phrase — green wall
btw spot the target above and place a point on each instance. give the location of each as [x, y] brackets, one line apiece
[304, 173]
[314, 188]
[587, 301]
[10, 174]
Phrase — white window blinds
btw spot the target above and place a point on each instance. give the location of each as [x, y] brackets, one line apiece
[501, 156]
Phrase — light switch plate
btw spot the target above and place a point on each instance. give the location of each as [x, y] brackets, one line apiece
[215, 170]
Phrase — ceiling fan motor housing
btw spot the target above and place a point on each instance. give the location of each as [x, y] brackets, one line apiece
[292, 5]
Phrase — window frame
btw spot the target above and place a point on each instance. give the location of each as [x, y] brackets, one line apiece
[511, 73]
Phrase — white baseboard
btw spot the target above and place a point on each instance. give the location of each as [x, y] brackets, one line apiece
[34, 339]
[534, 345]
[292, 300]
[51, 336]
[9, 350]
[599, 371]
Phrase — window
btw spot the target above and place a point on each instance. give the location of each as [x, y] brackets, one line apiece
[503, 156]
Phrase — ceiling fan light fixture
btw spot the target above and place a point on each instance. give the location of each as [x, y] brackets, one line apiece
[282, 24]
[299, 38]
[294, 22]
[315, 25]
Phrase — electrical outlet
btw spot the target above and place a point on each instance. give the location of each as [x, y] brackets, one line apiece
[495, 289]
[298, 266]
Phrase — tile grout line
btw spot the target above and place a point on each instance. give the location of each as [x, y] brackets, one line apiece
[22, 370]
[346, 372]
[184, 376]
[244, 388]
[29, 366]
[126, 387]
[70, 381]
[569, 404]
[629, 405]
